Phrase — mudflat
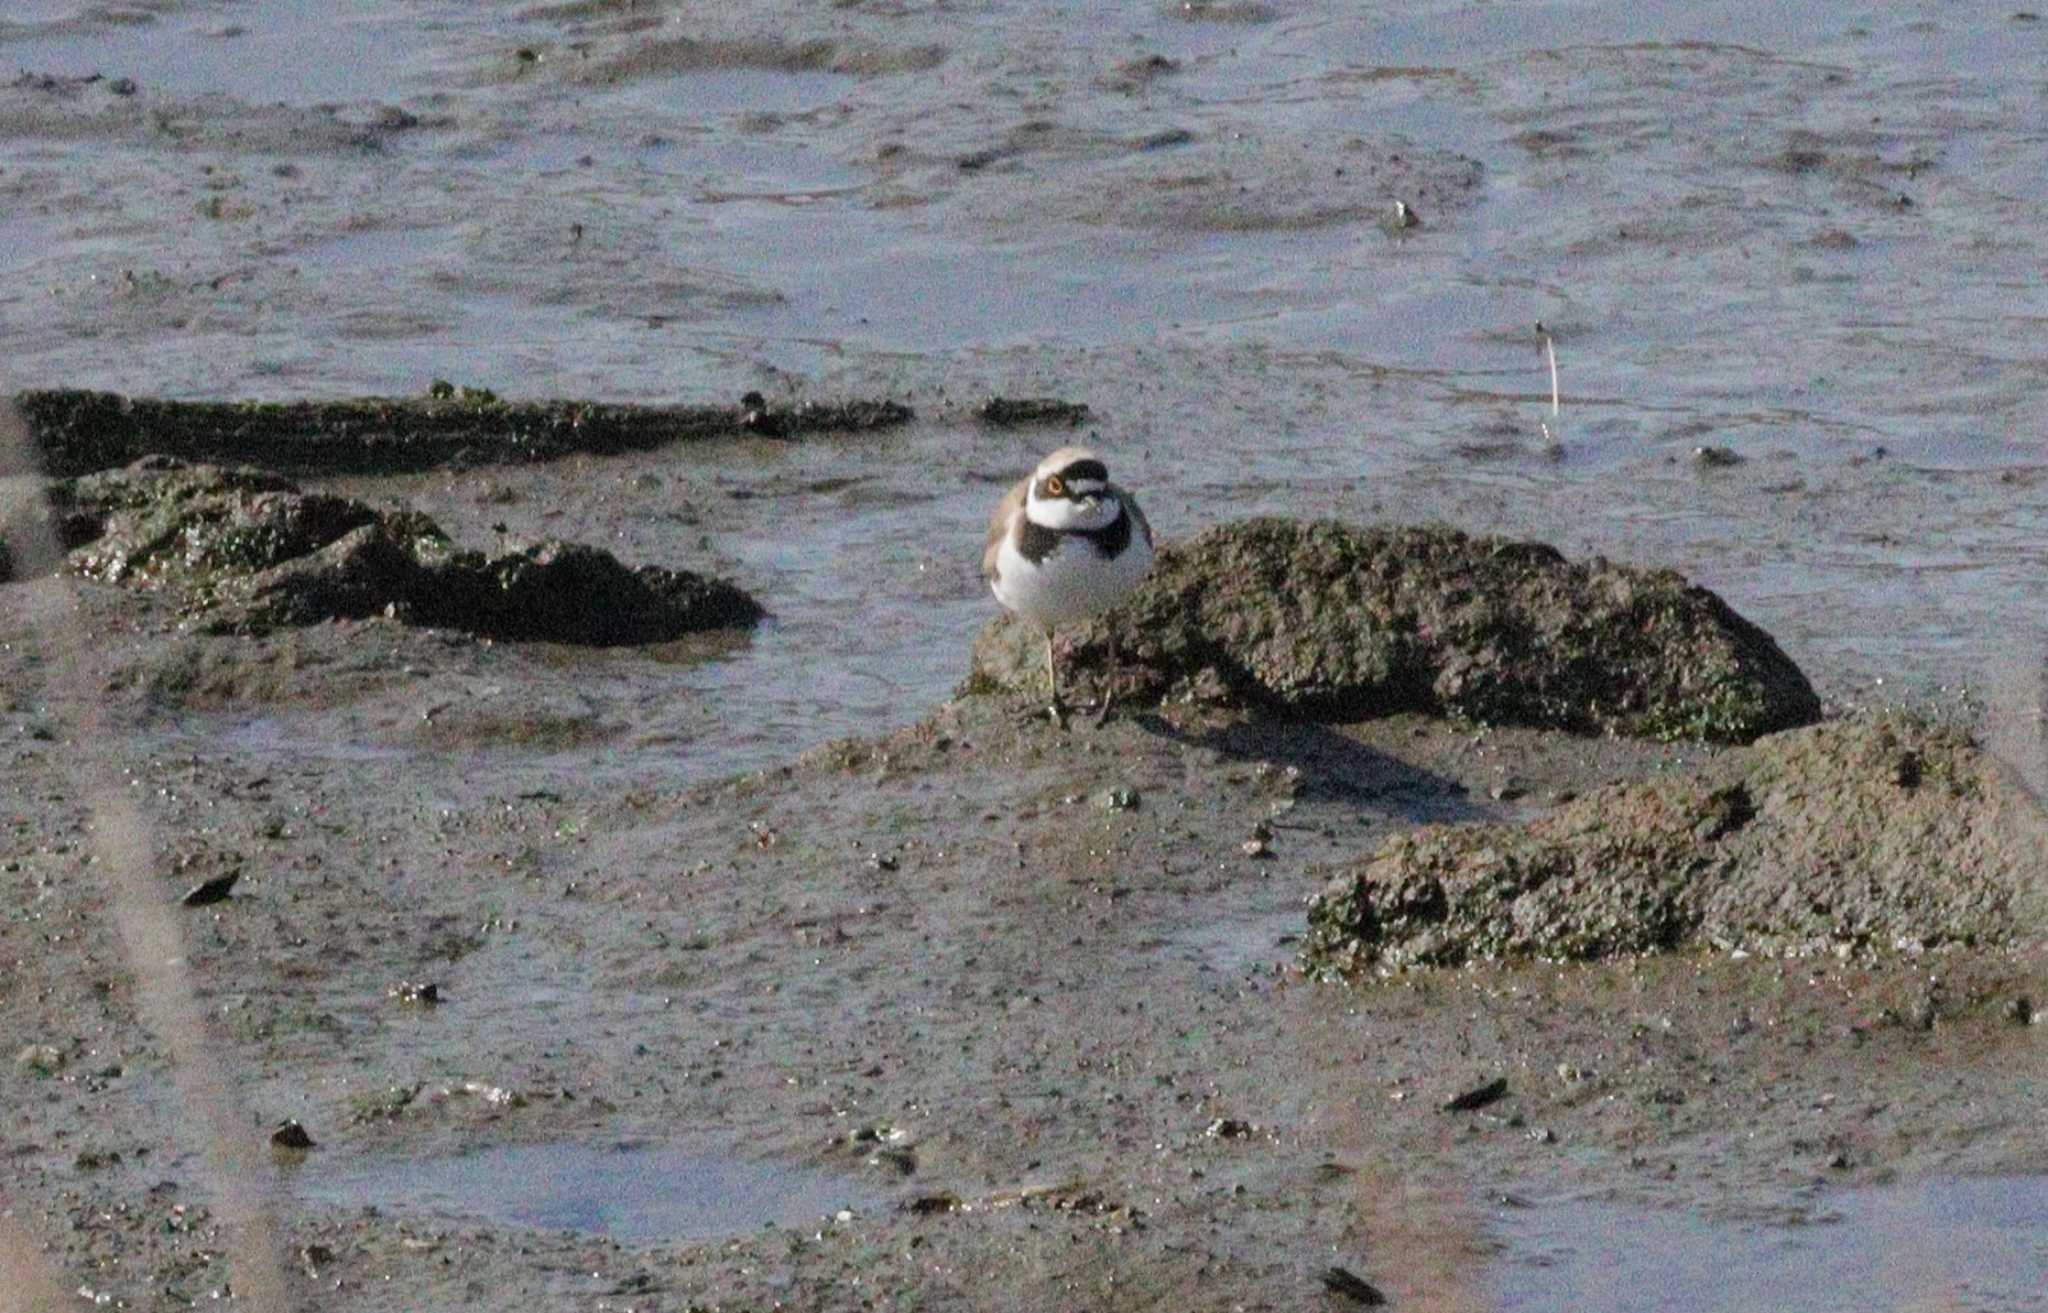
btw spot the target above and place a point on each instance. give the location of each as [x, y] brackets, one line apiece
[797, 959]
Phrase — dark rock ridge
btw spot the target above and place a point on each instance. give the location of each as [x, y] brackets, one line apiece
[79, 432]
[1332, 621]
[1881, 833]
[245, 551]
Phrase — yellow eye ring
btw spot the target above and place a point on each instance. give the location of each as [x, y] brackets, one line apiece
[1055, 486]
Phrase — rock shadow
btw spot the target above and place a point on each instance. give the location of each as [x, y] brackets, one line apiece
[1312, 760]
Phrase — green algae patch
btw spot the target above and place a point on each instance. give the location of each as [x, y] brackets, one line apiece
[1337, 622]
[1882, 833]
[245, 551]
[79, 432]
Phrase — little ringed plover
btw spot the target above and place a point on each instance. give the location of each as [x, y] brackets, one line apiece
[1065, 545]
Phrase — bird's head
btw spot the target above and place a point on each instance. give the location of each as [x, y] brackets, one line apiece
[1070, 490]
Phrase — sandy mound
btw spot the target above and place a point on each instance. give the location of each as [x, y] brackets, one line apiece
[1878, 833]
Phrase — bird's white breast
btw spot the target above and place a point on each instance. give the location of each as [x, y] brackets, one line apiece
[1072, 583]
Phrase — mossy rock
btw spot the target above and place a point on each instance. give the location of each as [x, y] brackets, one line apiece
[1332, 621]
[245, 551]
[1877, 834]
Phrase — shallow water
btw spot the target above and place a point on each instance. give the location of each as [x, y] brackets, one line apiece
[1806, 234]
[1978, 1243]
[274, 736]
[633, 1193]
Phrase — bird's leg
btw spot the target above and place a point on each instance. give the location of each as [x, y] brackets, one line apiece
[1108, 681]
[1057, 710]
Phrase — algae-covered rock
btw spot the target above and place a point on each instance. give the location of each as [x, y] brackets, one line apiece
[1877, 833]
[79, 432]
[553, 592]
[246, 551]
[1333, 621]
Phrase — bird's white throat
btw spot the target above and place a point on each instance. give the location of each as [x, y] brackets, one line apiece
[1097, 512]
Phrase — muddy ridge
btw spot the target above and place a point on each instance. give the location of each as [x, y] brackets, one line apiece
[1337, 622]
[79, 432]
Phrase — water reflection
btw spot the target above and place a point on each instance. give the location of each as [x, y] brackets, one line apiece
[628, 1192]
[1976, 1243]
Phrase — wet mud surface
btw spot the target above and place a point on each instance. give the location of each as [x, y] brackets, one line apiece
[1004, 1006]
[949, 1008]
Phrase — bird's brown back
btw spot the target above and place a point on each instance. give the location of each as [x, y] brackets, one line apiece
[999, 525]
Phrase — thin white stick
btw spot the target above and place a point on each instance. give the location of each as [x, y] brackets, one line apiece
[1550, 354]
[1550, 351]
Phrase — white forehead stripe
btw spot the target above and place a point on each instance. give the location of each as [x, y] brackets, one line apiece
[1063, 459]
[1086, 485]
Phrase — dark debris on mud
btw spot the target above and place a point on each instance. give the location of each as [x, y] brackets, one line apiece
[247, 552]
[79, 432]
[1016, 412]
[1882, 833]
[1337, 622]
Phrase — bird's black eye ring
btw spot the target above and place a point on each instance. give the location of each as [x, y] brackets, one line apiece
[1055, 486]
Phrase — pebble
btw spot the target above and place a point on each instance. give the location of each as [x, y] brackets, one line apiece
[211, 891]
[1400, 217]
[1343, 1281]
[291, 1135]
[42, 1059]
[419, 993]
[1478, 1096]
